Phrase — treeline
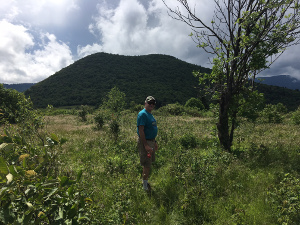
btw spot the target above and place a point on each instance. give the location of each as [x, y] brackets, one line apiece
[88, 80]
[274, 95]
[170, 80]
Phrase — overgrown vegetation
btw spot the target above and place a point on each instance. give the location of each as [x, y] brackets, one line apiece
[61, 170]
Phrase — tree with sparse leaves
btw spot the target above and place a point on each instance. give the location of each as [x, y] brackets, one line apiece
[245, 37]
[115, 100]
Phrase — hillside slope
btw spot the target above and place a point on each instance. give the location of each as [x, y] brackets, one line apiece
[89, 79]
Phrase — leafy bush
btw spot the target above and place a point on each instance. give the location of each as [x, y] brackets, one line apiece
[115, 100]
[179, 110]
[273, 113]
[14, 107]
[32, 189]
[99, 120]
[172, 109]
[285, 199]
[195, 103]
[251, 106]
[296, 117]
[188, 141]
[114, 127]
[83, 112]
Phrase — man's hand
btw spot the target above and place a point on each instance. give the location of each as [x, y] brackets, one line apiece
[149, 149]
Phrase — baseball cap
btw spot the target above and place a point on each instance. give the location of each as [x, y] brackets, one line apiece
[150, 99]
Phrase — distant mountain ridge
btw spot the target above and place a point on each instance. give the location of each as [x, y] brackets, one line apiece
[286, 81]
[19, 87]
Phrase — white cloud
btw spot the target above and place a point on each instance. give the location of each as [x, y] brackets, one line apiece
[88, 50]
[22, 62]
[133, 29]
[286, 64]
[38, 13]
[37, 36]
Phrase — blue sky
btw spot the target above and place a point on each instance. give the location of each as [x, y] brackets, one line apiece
[38, 38]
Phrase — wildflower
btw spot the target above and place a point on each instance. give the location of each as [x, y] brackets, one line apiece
[41, 214]
[22, 157]
[30, 173]
[29, 204]
[9, 178]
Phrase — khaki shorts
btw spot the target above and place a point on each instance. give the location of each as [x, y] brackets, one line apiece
[144, 160]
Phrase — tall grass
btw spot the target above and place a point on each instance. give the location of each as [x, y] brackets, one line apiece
[193, 180]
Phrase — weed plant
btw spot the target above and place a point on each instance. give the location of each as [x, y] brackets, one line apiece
[193, 180]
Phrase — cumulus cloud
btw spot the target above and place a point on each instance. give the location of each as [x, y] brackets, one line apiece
[38, 38]
[286, 64]
[22, 61]
[134, 28]
[39, 13]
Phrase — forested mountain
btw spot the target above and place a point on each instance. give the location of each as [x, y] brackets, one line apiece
[170, 80]
[89, 79]
[274, 95]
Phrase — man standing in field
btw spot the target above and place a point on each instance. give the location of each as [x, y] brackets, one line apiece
[147, 131]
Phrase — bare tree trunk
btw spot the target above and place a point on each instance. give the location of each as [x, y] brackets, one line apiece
[223, 124]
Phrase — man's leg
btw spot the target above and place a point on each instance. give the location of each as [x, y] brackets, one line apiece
[146, 172]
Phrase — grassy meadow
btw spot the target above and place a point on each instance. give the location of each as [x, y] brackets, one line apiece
[193, 180]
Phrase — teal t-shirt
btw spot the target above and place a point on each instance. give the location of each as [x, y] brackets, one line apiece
[147, 120]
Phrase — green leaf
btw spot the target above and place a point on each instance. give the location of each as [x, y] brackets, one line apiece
[13, 171]
[3, 169]
[5, 147]
[53, 191]
[79, 175]
[71, 190]
[54, 138]
[63, 140]
[64, 180]
[72, 212]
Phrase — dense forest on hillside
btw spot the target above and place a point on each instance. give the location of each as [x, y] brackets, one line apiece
[274, 95]
[170, 80]
[88, 80]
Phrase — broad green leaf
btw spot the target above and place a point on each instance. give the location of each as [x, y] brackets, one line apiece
[79, 174]
[54, 138]
[6, 147]
[3, 169]
[64, 180]
[53, 191]
[71, 190]
[63, 140]
[72, 212]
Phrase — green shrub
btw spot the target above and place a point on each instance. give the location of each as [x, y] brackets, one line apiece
[195, 103]
[115, 100]
[285, 199]
[296, 117]
[188, 141]
[83, 112]
[114, 127]
[251, 106]
[273, 113]
[172, 109]
[32, 189]
[14, 106]
[99, 120]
